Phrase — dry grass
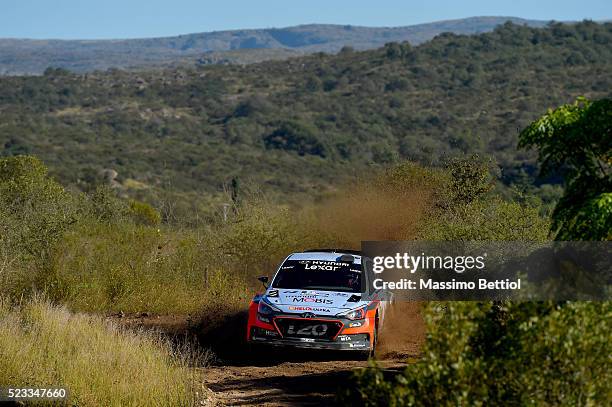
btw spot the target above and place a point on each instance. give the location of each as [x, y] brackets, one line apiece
[106, 268]
[101, 365]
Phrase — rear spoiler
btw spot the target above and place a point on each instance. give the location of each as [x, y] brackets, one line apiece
[339, 251]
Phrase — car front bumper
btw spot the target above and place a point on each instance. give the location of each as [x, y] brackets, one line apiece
[355, 342]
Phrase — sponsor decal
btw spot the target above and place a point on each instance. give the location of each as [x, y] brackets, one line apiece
[354, 298]
[308, 330]
[354, 324]
[308, 295]
[307, 339]
[312, 309]
[313, 300]
[273, 293]
[344, 338]
[323, 265]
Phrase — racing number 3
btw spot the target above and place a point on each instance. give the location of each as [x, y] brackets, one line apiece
[308, 330]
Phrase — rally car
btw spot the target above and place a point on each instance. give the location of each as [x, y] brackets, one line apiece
[319, 299]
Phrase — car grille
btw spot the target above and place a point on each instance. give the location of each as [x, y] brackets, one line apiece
[308, 328]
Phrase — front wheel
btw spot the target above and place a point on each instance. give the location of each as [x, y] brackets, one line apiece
[374, 340]
[367, 354]
[364, 355]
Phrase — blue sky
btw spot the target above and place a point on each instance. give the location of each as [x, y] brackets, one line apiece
[135, 18]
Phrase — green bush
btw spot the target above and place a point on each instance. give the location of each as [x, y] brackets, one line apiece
[38, 208]
[490, 219]
[35, 212]
[592, 219]
[144, 213]
[259, 237]
[295, 136]
[502, 354]
[103, 205]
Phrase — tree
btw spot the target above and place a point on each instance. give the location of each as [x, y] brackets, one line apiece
[35, 211]
[576, 140]
[294, 136]
[471, 179]
[40, 206]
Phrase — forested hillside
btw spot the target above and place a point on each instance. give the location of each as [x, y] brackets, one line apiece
[297, 128]
[25, 56]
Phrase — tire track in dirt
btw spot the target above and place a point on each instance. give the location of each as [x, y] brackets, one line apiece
[281, 377]
[289, 383]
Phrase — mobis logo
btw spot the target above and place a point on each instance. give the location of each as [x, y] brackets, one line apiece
[313, 300]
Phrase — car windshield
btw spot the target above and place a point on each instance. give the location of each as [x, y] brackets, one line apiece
[319, 275]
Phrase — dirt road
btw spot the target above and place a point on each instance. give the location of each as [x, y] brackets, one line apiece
[276, 377]
[284, 383]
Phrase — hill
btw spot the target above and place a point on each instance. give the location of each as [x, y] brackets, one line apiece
[23, 56]
[299, 127]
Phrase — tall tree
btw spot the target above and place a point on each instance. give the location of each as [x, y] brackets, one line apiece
[576, 140]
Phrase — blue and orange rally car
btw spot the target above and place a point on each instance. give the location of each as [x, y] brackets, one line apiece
[320, 299]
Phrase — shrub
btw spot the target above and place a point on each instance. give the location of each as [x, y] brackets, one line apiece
[144, 213]
[38, 206]
[259, 237]
[134, 268]
[471, 179]
[104, 205]
[502, 354]
[294, 136]
[487, 219]
[35, 212]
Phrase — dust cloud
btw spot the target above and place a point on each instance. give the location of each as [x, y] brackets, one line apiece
[377, 212]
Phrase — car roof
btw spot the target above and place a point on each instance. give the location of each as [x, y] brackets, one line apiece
[326, 256]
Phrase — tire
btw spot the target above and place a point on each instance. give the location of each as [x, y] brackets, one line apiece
[375, 339]
[374, 342]
[365, 355]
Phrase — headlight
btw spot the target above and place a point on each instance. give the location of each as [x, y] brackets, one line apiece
[355, 314]
[266, 309]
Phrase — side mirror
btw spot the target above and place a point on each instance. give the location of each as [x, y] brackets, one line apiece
[264, 280]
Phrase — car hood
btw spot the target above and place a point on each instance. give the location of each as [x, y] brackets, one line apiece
[314, 301]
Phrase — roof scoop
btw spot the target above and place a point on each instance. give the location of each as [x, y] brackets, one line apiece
[347, 258]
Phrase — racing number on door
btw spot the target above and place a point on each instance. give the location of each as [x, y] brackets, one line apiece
[308, 330]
